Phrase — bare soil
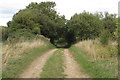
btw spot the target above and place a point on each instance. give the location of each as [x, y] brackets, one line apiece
[72, 69]
[34, 70]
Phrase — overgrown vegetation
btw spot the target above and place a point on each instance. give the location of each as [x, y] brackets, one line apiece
[18, 56]
[106, 68]
[97, 50]
[42, 18]
[54, 66]
[38, 19]
[104, 56]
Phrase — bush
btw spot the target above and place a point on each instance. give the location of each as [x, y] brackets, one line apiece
[36, 30]
[61, 43]
[104, 38]
[20, 34]
[84, 26]
[4, 33]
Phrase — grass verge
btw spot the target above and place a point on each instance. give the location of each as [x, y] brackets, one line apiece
[96, 69]
[16, 66]
[54, 66]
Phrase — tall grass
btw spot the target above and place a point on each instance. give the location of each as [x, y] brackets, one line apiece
[97, 51]
[16, 66]
[99, 60]
[19, 55]
[14, 50]
[95, 69]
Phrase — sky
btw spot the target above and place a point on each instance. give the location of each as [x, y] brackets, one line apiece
[65, 7]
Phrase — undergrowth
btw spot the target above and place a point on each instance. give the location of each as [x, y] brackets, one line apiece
[97, 68]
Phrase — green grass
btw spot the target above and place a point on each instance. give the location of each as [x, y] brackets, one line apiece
[0, 65]
[54, 66]
[96, 69]
[16, 66]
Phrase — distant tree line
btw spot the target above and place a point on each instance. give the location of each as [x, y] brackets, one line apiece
[42, 19]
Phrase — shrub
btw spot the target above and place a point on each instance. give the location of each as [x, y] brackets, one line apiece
[4, 33]
[104, 38]
[36, 30]
[20, 33]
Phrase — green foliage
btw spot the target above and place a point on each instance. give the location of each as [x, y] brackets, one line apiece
[61, 43]
[4, 33]
[109, 22]
[109, 27]
[25, 19]
[20, 33]
[116, 33]
[104, 38]
[36, 30]
[42, 18]
[84, 26]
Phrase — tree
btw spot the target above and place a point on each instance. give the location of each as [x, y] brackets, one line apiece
[25, 19]
[109, 23]
[40, 18]
[4, 33]
[84, 26]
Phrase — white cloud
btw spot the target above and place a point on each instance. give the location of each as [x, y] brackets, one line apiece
[64, 7]
[3, 21]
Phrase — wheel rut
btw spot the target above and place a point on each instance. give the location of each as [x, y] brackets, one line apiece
[72, 69]
[34, 70]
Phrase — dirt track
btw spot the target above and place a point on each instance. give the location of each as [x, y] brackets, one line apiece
[72, 69]
[34, 70]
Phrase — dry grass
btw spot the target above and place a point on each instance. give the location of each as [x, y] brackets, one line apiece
[100, 61]
[88, 47]
[14, 50]
[97, 51]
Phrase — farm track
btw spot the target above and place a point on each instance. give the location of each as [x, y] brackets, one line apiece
[34, 70]
[72, 69]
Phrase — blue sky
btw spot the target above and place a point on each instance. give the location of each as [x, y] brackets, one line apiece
[65, 7]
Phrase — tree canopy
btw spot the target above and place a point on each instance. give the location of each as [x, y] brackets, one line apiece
[43, 19]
